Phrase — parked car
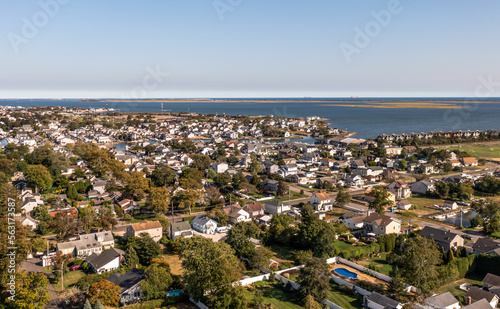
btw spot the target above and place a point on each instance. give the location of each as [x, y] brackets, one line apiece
[75, 267]
[467, 236]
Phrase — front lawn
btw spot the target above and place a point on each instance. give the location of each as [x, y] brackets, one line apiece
[273, 295]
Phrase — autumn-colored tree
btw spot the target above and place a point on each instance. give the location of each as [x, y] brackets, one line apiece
[31, 291]
[158, 199]
[188, 198]
[105, 291]
[137, 185]
[381, 199]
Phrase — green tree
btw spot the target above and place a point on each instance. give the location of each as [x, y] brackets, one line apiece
[311, 303]
[343, 198]
[98, 305]
[201, 162]
[238, 180]
[381, 199]
[39, 177]
[158, 200]
[208, 266]
[131, 258]
[31, 291]
[147, 249]
[254, 164]
[239, 238]
[159, 279]
[396, 288]
[314, 279]
[163, 175]
[419, 259]
[222, 179]
[73, 194]
[281, 230]
[188, 198]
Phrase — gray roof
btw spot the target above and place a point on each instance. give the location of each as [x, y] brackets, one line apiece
[104, 258]
[382, 300]
[180, 226]
[477, 294]
[438, 235]
[200, 220]
[486, 245]
[492, 279]
[128, 279]
[482, 304]
[441, 300]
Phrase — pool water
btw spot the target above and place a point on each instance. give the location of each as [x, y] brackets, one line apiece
[346, 273]
[174, 293]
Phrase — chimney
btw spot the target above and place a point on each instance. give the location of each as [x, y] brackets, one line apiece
[468, 300]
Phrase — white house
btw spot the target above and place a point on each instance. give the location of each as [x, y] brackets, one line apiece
[441, 301]
[237, 214]
[321, 201]
[129, 283]
[277, 207]
[107, 261]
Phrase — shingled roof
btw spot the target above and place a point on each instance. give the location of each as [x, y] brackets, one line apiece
[381, 220]
[438, 235]
[146, 225]
[492, 279]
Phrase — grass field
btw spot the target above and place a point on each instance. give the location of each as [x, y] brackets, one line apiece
[175, 264]
[341, 245]
[293, 196]
[481, 151]
[273, 295]
[70, 278]
[343, 299]
[380, 263]
[425, 201]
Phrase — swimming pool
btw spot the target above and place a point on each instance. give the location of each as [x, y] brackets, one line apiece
[174, 293]
[344, 272]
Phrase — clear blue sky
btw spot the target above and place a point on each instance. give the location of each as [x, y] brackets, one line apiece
[259, 48]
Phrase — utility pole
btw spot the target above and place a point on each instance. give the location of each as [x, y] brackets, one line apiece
[62, 276]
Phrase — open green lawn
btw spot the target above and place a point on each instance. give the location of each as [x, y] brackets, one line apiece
[343, 299]
[480, 151]
[454, 289]
[293, 196]
[273, 295]
[341, 245]
[380, 264]
[283, 253]
[70, 278]
[496, 235]
[425, 201]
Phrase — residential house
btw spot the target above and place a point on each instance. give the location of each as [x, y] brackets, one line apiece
[443, 238]
[99, 186]
[354, 180]
[486, 246]
[277, 207]
[441, 301]
[357, 164]
[400, 189]
[28, 205]
[129, 283]
[450, 205]
[254, 209]
[180, 229]
[491, 282]
[403, 205]
[378, 224]
[28, 221]
[237, 214]
[204, 225]
[475, 294]
[109, 260]
[105, 238]
[153, 228]
[321, 181]
[481, 304]
[469, 161]
[426, 168]
[286, 170]
[128, 205]
[379, 301]
[321, 201]
[422, 187]
[270, 185]
[219, 167]
[353, 221]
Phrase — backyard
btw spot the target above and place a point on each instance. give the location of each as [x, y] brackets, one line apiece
[379, 263]
[342, 298]
[70, 278]
[454, 289]
[273, 295]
